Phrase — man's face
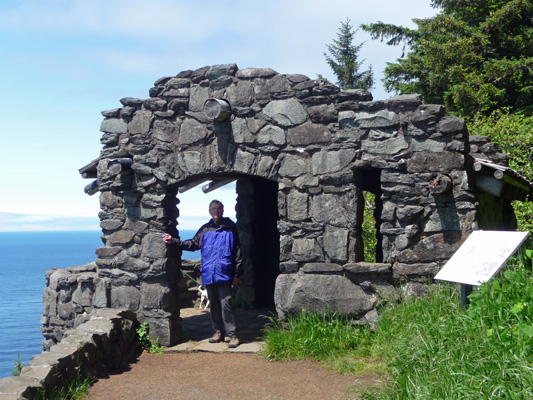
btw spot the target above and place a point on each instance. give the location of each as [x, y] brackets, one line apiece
[216, 211]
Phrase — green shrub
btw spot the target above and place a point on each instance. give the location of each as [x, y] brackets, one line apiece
[369, 228]
[514, 133]
[147, 344]
[17, 366]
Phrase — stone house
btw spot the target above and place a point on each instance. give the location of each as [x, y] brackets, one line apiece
[302, 153]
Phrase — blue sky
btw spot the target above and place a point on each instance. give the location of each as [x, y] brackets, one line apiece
[65, 61]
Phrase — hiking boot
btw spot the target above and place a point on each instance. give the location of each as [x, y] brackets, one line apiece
[217, 338]
[234, 342]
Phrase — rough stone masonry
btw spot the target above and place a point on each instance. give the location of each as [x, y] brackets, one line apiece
[302, 153]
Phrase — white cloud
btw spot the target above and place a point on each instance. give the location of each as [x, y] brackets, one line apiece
[13, 222]
[66, 60]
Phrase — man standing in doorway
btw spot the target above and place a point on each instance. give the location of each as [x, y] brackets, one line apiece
[221, 267]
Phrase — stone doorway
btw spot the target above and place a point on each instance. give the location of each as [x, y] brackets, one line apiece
[256, 218]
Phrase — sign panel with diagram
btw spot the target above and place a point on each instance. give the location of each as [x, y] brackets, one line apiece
[481, 256]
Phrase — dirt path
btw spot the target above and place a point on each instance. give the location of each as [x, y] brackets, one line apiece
[206, 376]
[207, 371]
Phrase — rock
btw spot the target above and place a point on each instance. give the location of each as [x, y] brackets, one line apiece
[286, 113]
[323, 293]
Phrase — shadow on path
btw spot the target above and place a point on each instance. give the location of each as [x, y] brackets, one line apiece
[196, 327]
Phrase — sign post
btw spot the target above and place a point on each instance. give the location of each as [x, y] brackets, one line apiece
[479, 258]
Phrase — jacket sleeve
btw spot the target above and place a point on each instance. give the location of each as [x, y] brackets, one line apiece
[237, 253]
[195, 243]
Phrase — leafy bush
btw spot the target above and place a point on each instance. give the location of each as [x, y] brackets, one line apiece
[17, 367]
[150, 345]
[369, 227]
[514, 133]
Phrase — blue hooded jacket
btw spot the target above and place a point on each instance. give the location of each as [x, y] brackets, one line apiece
[220, 250]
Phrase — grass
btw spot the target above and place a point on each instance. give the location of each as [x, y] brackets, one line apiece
[430, 348]
[74, 389]
[332, 339]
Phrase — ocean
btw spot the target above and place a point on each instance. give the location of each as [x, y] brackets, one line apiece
[24, 259]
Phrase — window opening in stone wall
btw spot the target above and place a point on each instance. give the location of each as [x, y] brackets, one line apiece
[368, 180]
[369, 232]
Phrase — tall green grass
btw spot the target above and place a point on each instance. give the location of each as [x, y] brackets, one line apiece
[75, 388]
[432, 348]
[312, 336]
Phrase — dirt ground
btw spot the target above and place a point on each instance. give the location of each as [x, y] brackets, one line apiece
[213, 374]
[206, 376]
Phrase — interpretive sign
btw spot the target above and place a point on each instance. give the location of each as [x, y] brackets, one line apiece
[481, 255]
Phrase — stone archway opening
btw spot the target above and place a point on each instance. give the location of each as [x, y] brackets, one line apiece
[256, 210]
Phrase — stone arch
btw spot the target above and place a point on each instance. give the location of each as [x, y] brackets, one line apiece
[303, 142]
[273, 135]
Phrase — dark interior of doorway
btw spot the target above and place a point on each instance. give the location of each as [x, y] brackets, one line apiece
[257, 218]
[265, 245]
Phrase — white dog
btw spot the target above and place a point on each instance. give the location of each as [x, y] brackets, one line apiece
[203, 297]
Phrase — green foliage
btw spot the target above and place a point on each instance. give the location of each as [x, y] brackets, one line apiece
[514, 133]
[342, 57]
[73, 389]
[369, 228]
[310, 335]
[17, 366]
[474, 56]
[147, 344]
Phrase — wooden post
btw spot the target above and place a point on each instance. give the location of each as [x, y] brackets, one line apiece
[119, 165]
[465, 292]
[217, 109]
[92, 187]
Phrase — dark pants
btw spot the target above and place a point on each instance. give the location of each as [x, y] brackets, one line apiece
[222, 314]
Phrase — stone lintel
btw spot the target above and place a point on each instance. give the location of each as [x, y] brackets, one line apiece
[418, 269]
[321, 267]
[368, 268]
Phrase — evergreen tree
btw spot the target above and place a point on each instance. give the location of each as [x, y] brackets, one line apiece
[474, 56]
[342, 57]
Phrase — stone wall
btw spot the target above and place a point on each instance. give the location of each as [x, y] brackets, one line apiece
[106, 340]
[302, 153]
[71, 294]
